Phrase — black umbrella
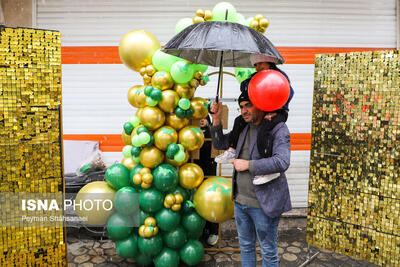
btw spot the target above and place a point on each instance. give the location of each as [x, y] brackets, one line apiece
[221, 43]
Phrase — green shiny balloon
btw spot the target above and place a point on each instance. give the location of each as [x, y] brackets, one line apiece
[151, 102]
[169, 154]
[243, 73]
[150, 246]
[189, 112]
[200, 67]
[148, 89]
[143, 259]
[135, 151]
[241, 19]
[165, 177]
[176, 238]
[192, 252]
[126, 201]
[151, 142]
[172, 150]
[142, 129]
[187, 206]
[180, 190]
[134, 120]
[182, 72]
[193, 222]
[135, 170]
[180, 156]
[182, 24]
[167, 258]
[143, 215]
[127, 248]
[144, 138]
[156, 94]
[194, 235]
[117, 176]
[136, 159]
[119, 226]
[184, 103]
[180, 112]
[151, 200]
[126, 151]
[136, 141]
[163, 61]
[167, 219]
[128, 128]
[181, 147]
[219, 12]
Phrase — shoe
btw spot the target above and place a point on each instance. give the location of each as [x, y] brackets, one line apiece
[212, 240]
[263, 179]
[225, 157]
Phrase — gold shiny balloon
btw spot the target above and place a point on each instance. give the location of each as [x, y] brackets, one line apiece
[202, 82]
[184, 90]
[200, 12]
[136, 49]
[198, 19]
[213, 201]
[191, 137]
[190, 175]
[146, 79]
[258, 17]
[170, 199]
[199, 106]
[162, 80]
[152, 117]
[207, 14]
[176, 207]
[141, 230]
[169, 101]
[165, 136]
[138, 112]
[198, 74]
[150, 70]
[126, 138]
[142, 71]
[254, 24]
[145, 185]
[93, 192]
[151, 157]
[176, 122]
[175, 163]
[194, 83]
[133, 95]
[128, 162]
[264, 22]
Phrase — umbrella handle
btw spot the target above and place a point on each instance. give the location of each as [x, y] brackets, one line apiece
[209, 105]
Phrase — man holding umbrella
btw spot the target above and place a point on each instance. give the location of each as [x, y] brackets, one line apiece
[257, 207]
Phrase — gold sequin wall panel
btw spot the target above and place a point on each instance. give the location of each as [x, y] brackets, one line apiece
[354, 188]
[30, 139]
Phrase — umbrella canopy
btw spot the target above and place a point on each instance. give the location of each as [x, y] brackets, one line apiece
[209, 42]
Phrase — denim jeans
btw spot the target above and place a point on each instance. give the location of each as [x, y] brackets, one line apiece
[251, 222]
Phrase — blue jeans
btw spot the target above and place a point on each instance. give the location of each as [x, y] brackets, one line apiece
[251, 222]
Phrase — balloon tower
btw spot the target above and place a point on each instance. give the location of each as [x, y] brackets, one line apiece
[161, 202]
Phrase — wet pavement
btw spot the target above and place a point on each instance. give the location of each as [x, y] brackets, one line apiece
[89, 250]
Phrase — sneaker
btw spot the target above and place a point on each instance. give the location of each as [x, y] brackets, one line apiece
[212, 240]
[226, 157]
[262, 179]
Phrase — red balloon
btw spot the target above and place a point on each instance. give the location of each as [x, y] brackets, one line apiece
[269, 90]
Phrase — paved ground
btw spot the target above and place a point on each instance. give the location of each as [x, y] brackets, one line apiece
[85, 250]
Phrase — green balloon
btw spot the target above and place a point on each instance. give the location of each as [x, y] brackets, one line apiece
[143, 259]
[172, 150]
[142, 129]
[136, 159]
[151, 102]
[150, 143]
[180, 190]
[148, 89]
[143, 215]
[248, 21]
[200, 67]
[119, 226]
[117, 176]
[135, 151]
[180, 156]
[136, 141]
[127, 248]
[180, 112]
[194, 235]
[150, 246]
[240, 19]
[192, 252]
[189, 112]
[176, 238]
[167, 258]
[126, 201]
[169, 154]
[167, 219]
[165, 177]
[181, 147]
[151, 200]
[182, 24]
[128, 127]
[156, 94]
[144, 138]
[134, 120]
[182, 72]
[243, 73]
[193, 222]
[220, 9]
[126, 151]
[135, 170]
[184, 103]
[187, 207]
[163, 61]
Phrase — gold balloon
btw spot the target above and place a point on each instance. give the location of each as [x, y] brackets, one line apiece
[264, 22]
[254, 24]
[207, 14]
[126, 138]
[213, 201]
[136, 49]
[150, 70]
[142, 71]
[175, 163]
[133, 95]
[194, 83]
[138, 112]
[198, 19]
[191, 137]
[146, 79]
[176, 207]
[128, 162]
[198, 74]
[184, 90]
[162, 80]
[93, 192]
[199, 106]
[151, 157]
[165, 136]
[190, 175]
[152, 117]
[258, 17]
[200, 12]
[202, 82]
[176, 122]
[169, 101]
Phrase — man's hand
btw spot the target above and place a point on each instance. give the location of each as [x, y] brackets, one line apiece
[240, 164]
[216, 107]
